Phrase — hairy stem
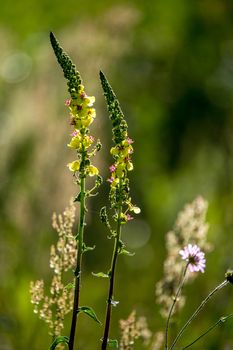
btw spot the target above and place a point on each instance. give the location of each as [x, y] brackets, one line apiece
[79, 264]
[111, 280]
[175, 298]
[220, 321]
[216, 289]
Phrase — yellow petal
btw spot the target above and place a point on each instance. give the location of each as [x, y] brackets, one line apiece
[74, 166]
[92, 170]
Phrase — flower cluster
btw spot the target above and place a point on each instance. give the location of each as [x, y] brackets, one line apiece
[133, 328]
[52, 308]
[121, 152]
[82, 115]
[190, 228]
[194, 257]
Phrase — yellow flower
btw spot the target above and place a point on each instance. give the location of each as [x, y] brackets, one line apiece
[89, 100]
[136, 210]
[86, 121]
[120, 169]
[74, 166]
[115, 182]
[92, 170]
[81, 89]
[87, 141]
[114, 151]
[75, 142]
[129, 166]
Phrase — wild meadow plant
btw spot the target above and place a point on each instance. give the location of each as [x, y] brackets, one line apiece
[186, 244]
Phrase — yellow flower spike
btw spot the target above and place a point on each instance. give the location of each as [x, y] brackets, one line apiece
[92, 170]
[74, 166]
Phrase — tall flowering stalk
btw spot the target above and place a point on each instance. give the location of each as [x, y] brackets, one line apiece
[119, 192]
[82, 114]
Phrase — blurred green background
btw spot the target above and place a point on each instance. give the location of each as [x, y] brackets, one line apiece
[171, 64]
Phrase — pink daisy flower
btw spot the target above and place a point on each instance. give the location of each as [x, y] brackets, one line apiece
[195, 258]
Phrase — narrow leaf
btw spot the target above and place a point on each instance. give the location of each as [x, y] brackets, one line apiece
[126, 252]
[86, 248]
[100, 274]
[77, 198]
[69, 286]
[113, 343]
[114, 303]
[58, 340]
[89, 311]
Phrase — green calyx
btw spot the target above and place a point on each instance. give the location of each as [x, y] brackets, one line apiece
[68, 67]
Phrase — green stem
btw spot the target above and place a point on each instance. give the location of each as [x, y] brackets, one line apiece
[216, 289]
[79, 263]
[175, 298]
[111, 280]
[221, 320]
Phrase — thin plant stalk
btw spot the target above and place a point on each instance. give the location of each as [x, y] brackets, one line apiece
[119, 191]
[112, 280]
[220, 321]
[200, 307]
[79, 264]
[182, 279]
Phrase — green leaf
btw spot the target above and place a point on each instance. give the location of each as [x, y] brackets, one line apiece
[77, 198]
[69, 286]
[58, 340]
[90, 312]
[126, 252]
[113, 343]
[86, 248]
[114, 303]
[100, 274]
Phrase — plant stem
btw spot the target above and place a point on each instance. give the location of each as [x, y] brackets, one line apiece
[175, 298]
[111, 281]
[79, 263]
[221, 320]
[216, 289]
